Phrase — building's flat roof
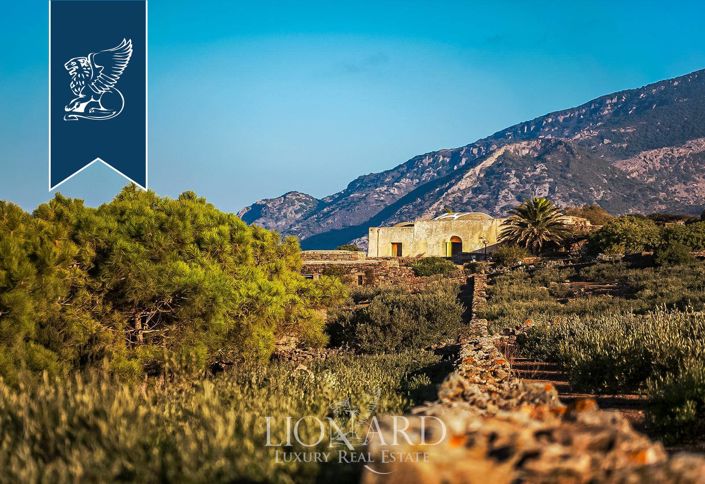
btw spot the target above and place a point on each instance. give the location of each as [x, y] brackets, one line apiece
[464, 216]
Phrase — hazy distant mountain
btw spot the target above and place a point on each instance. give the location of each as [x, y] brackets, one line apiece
[641, 150]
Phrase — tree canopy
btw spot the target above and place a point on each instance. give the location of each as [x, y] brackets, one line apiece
[627, 234]
[145, 280]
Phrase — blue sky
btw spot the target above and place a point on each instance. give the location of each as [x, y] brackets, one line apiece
[253, 99]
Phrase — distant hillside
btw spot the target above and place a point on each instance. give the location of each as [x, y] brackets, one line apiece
[641, 150]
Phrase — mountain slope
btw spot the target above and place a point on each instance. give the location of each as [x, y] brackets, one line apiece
[640, 150]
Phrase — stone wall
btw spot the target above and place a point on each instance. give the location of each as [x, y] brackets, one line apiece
[332, 255]
[501, 429]
[478, 292]
[359, 270]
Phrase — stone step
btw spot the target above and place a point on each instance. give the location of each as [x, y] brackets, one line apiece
[607, 402]
[521, 365]
[562, 386]
[541, 374]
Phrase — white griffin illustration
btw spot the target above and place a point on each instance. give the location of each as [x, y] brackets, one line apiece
[93, 81]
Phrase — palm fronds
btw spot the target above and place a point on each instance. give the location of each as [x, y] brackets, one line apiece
[534, 224]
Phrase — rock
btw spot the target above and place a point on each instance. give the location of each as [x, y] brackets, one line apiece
[500, 429]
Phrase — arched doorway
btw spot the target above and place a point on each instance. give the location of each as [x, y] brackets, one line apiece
[456, 246]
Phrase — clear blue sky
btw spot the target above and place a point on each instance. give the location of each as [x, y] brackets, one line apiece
[253, 99]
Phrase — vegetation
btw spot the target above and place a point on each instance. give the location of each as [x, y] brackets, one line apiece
[595, 214]
[110, 319]
[670, 218]
[546, 293]
[95, 429]
[659, 353]
[628, 234]
[433, 266]
[534, 224]
[349, 247]
[632, 234]
[691, 235]
[145, 280]
[615, 328]
[509, 255]
[676, 405]
[673, 253]
[395, 320]
[619, 352]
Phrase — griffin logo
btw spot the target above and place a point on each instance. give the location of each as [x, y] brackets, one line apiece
[93, 81]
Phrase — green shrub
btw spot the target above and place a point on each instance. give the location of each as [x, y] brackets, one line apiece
[395, 320]
[676, 402]
[628, 233]
[349, 247]
[541, 293]
[593, 213]
[365, 294]
[147, 275]
[671, 218]
[509, 255]
[690, 235]
[97, 429]
[476, 267]
[673, 253]
[433, 266]
[519, 295]
[618, 352]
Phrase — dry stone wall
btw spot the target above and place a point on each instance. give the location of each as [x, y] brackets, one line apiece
[356, 269]
[500, 429]
[332, 255]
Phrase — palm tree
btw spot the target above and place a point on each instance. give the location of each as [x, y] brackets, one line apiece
[534, 224]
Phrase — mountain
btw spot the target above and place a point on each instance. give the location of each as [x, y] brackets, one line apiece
[277, 213]
[640, 150]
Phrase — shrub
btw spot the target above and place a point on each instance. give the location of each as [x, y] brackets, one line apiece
[671, 218]
[593, 213]
[619, 351]
[395, 320]
[349, 247]
[509, 255]
[676, 402]
[476, 267]
[629, 233]
[690, 235]
[673, 253]
[93, 428]
[433, 266]
[144, 279]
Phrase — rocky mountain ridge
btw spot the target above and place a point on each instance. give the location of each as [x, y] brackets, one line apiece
[640, 150]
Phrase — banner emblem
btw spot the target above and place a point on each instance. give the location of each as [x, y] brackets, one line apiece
[93, 79]
[98, 72]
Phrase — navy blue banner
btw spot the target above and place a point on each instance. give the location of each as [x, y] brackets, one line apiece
[98, 87]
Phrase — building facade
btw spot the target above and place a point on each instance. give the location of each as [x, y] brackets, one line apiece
[449, 235]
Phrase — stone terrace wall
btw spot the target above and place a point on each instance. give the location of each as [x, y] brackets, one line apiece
[353, 267]
[332, 255]
[501, 429]
[478, 283]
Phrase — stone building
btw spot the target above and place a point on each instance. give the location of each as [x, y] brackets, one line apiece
[448, 235]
